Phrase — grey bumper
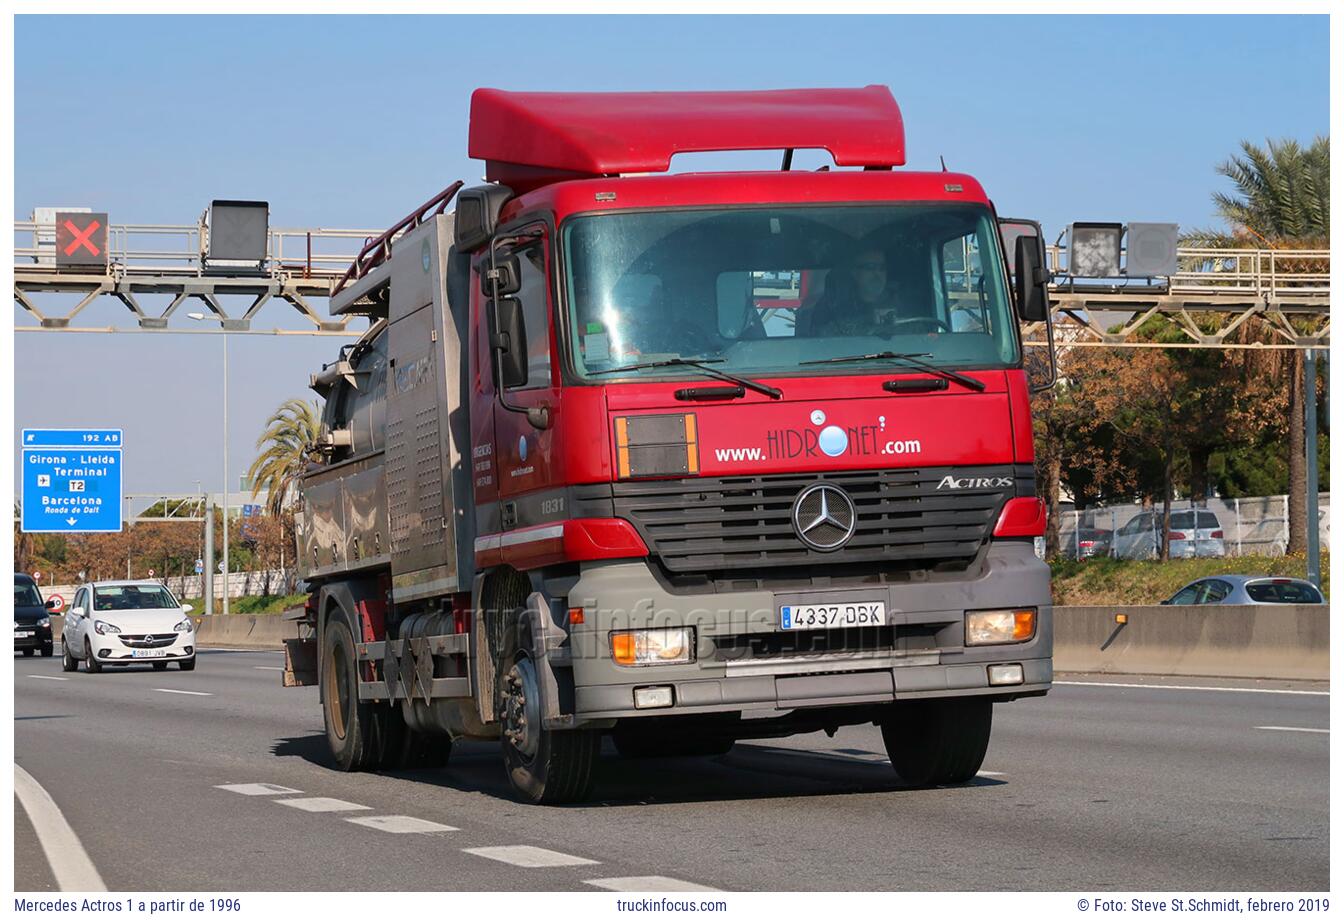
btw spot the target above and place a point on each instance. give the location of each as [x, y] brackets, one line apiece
[625, 595]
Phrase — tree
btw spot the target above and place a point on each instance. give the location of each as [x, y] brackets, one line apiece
[1281, 200]
[290, 437]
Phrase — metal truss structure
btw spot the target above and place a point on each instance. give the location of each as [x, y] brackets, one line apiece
[170, 260]
[1208, 300]
[1210, 297]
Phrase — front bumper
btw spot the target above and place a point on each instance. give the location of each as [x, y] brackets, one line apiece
[32, 637]
[111, 649]
[924, 655]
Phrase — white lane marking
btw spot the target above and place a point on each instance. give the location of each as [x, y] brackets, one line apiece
[1091, 683]
[266, 667]
[530, 857]
[400, 824]
[259, 649]
[989, 773]
[647, 883]
[321, 804]
[183, 692]
[1292, 728]
[46, 677]
[258, 789]
[69, 861]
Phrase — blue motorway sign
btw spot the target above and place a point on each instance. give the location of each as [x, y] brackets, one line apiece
[71, 480]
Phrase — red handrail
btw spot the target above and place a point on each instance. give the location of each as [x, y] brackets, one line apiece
[376, 251]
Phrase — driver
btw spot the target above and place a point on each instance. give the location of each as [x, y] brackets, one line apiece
[863, 302]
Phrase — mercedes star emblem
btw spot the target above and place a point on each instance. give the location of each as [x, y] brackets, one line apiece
[824, 517]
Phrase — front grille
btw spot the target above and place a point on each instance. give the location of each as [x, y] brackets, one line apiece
[728, 527]
[147, 640]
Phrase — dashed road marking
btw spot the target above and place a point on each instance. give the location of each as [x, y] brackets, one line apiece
[1104, 683]
[46, 677]
[322, 804]
[530, 857]
[989, 773]
[401, 824]
[1293, 728]
[69, 861]
[647, 883]
[266, 667]
[258, 789]
[183, 692]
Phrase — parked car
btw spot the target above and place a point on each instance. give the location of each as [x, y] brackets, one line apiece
[127, 622]
[1194, 532]
[1085, 543]
[1247, 589]
[32, 618]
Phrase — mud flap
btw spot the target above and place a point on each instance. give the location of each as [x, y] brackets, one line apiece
[300, 662]
[549, 645]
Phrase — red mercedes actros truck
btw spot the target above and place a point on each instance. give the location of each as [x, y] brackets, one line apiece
[678, 459]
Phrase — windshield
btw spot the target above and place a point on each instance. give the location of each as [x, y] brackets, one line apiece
[25, 594]
[133, 597]
[763, 290]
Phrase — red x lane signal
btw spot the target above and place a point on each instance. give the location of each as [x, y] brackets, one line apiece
[81, 240]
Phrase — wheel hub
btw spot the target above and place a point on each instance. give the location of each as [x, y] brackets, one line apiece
[522, 715]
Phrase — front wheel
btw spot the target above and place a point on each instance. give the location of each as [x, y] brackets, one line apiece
[545, 766]
[186, 664]
[68, 662]
[938, 742]
[91, 664]
[160, 665]
[28, 652]
[47, 651]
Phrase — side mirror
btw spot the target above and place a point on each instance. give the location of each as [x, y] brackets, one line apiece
[76, 612]
[51, 604]
[186, 608]
[1165, 603]
[509, 342]
[1031, 279]
[506, 271]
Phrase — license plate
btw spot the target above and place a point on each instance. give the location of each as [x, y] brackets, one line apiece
[833, 616]
[148, 653]
[22, 634]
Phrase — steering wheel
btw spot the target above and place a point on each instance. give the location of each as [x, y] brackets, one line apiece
[932, 321]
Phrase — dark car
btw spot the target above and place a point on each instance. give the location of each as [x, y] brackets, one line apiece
[32, 618]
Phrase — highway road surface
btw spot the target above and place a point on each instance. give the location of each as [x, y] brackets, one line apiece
[218, 780]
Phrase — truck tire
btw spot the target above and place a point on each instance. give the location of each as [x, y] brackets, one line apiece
[938, 742]
[350, 722]
[635, 743]
[545, 766]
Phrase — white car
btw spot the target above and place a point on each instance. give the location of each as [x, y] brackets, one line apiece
[127, 622]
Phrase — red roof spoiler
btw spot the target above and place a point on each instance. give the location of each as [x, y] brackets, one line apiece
[531, 139]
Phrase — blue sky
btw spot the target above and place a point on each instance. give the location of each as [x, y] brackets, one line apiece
[350, 122]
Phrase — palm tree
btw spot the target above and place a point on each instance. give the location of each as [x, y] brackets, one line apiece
[1281, 201]
[289, 438]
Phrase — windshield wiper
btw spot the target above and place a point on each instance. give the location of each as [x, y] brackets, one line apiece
[915, 359]
[701, 365]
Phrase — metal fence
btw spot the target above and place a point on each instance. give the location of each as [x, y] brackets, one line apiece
[1214, 527]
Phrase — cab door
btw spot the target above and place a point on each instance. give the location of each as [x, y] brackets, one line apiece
[524, 451]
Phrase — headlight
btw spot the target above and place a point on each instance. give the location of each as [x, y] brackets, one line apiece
[653, 646]
[104, 629]
[993, 627]
[44, 621]
[184, 626]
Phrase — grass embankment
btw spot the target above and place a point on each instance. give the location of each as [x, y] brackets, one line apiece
[1096, 582]
[275, 603]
